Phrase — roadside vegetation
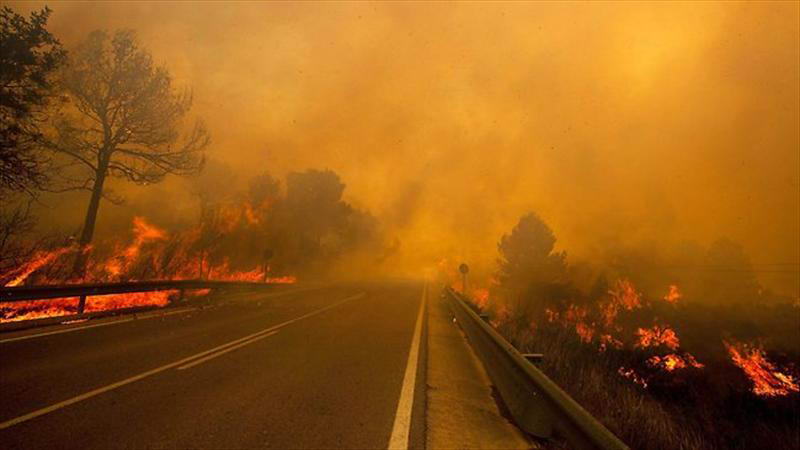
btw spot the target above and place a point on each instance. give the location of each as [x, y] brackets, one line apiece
[102, 115]
[680, 351]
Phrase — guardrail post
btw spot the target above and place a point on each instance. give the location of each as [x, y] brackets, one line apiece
[533, 357]
[81, 304]
[181, 296]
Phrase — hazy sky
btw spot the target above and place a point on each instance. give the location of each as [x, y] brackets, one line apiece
[614, 121]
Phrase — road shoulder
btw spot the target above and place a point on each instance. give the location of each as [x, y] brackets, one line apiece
[461, 412]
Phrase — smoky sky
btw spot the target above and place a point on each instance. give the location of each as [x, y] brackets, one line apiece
[615, 122]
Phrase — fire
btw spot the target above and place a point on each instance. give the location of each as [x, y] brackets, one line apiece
[674, 361]
[286, 279]
[598, 325]
[673, 295]
[622, 297]
[656, 336]
[148, 248]
[143, 233]
[39, 260]
[18, 311]
[606, 341]
[31, 310]
[250, 214]
[128, 300]
[633, 376]
[577, 315]
[502, 316]
[481, 297]
[767, 380]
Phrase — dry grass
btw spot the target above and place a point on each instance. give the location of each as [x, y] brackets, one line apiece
[676, 420]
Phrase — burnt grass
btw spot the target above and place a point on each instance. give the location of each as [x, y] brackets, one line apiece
[691, 408]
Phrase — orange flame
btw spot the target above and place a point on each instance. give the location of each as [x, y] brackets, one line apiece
[143, 233]
[606, 341]
[119, 266]
[674, 361]
[18, 311]
[633, 376]
[657, 336]
[767, 380]
[673, 295]
[622, 297]
[39, 260]
[481, 297]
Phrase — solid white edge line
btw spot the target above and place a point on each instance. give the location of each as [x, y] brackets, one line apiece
[98, 391]
[66, 330]
[222, 352]
[95, 325]
[402, 419]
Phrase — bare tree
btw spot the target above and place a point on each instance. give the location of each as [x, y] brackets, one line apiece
[122, 119]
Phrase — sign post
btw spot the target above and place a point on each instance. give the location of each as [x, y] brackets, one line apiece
[464, 269]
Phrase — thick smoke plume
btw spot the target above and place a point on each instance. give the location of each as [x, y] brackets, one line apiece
[620, 124]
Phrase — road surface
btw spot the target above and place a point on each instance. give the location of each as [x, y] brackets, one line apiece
[320, 368]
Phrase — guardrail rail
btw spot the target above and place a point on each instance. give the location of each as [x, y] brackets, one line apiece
[537, 404]
[44, 293]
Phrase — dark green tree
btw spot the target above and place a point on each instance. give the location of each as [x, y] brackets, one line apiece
[263, 189]
[29, 55]
[528, 264]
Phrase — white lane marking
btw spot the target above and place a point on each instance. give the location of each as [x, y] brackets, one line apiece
[98, 391]
[111, 322]
[222, 352]
[402, 418]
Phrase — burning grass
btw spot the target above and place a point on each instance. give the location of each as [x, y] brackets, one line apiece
[639, 366]
[151, 253]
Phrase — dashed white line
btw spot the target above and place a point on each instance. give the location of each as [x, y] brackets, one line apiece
[222, 352]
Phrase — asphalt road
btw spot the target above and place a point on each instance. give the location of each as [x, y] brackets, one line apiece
[314, 369]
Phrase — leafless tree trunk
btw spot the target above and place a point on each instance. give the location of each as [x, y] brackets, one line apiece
[122, 119]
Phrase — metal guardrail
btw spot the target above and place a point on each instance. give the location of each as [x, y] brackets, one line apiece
[35, 293]
[27, 293]
[537, 404]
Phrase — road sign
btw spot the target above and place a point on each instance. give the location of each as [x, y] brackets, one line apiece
[463, 268]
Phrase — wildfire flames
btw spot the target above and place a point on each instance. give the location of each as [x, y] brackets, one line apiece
[600, 326]
[148, 244]
[673, 361]
[766, 378]
[39, 260]
[657, 336]
[673, 295]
